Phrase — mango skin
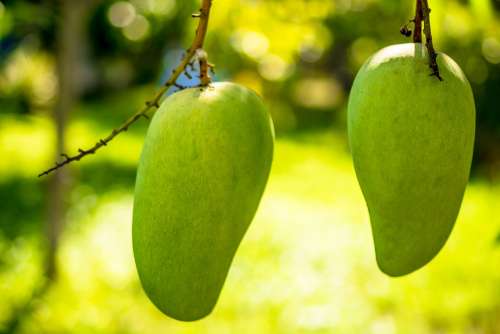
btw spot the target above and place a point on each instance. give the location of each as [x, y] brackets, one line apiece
[203, 170]
[411, 138]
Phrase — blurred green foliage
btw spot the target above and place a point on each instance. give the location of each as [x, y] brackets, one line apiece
[307, 263]
[301, 55]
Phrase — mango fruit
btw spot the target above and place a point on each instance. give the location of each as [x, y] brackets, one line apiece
[411, 138]
[203, 169]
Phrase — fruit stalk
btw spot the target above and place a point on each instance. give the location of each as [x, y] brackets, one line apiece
[417, 35]
[428, 39]
[154, 103]
[205, 78]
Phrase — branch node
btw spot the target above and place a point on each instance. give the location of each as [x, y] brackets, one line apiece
[151, 104]
[181, 87]
[211, 67]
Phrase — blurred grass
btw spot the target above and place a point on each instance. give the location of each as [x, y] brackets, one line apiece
[306, 264]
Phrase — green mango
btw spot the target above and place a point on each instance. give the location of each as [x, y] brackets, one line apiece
[203, 169]
[411, 138]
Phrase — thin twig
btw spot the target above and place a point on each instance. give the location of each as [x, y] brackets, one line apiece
[417, 21]
[417, 34]
[428, 40]
[197, 44]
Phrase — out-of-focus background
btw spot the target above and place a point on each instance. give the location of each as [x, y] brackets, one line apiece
[72, 70]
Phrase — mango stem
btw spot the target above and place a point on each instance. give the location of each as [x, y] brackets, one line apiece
[417, 34]
[428, 40]
[205, 78]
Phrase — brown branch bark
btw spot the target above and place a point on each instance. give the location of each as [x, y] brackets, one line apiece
[417, 34]
[428, 40]
[154, 103]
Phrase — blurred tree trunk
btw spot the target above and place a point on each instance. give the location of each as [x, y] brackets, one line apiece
[72, 46]
[58, 187]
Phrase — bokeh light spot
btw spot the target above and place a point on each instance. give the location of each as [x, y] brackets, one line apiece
[255, 44]
[252, 43]
[275, 68]
[491, 50]
[318, 93]
[163, 7]
[121, 14]
[138, 29]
